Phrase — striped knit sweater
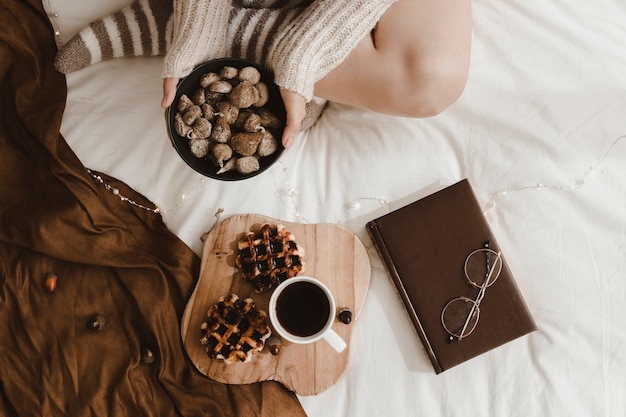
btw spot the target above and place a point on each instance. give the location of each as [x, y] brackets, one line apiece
[301, 41]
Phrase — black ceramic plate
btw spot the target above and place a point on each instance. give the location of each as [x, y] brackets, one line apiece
[190, 84]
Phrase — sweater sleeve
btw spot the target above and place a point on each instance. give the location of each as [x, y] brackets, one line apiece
[319, 39]
[199, 33]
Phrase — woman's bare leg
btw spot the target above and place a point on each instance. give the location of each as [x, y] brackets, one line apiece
[414, 64]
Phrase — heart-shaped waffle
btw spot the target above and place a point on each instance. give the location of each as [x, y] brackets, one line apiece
[234, 330]
[269, 256]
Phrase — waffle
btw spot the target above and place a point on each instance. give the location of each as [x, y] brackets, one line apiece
[269, 256]
[234, 330]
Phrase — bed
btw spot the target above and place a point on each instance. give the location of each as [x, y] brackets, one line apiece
[540, 131]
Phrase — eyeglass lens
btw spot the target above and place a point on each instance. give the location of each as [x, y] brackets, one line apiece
[482, 267]
[460, 316]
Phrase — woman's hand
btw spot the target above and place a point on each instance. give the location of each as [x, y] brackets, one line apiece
[169, 91]
[295, 105]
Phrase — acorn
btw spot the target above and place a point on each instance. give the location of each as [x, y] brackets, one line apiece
[274, 345]
[96, 322]
[50, 282]
[345, 316]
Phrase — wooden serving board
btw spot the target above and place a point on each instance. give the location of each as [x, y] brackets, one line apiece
[332, 253]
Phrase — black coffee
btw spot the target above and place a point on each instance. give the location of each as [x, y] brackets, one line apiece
[303, 309]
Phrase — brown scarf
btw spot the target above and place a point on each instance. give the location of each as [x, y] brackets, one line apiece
[110, 258]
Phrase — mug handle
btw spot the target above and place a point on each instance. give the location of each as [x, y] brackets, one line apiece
[334, 340]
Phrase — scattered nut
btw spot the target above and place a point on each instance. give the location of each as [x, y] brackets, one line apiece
[345, 316]
[50, 282]
[274, 345]
[147, 356]
[96, 322]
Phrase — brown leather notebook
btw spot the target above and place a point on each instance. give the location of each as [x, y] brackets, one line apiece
[426, 248]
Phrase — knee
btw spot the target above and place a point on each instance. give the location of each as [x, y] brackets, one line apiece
[428, 88]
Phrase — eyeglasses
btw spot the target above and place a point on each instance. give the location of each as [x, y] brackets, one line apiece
[460, 316]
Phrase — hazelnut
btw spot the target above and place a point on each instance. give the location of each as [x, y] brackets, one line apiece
[50, 282]
[269, 119]
[247, 164]
[229, 111]
[221, 86]
[264, 94]
[244, 95]
[191, 114]
[208, 78]
[213, 98]
[246, 144]
[208, 111]
[199, 147]
[184, 102]
[267, 145]
[250, 74]
[241, 119]
[201, 129]
[229, 72]
[182, 129]
[221, 130]
[222, 152]
[253, 123]
[199, 97]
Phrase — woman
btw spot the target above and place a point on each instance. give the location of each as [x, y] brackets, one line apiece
[399, 57]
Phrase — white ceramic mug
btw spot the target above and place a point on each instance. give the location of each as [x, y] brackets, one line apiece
[302, 310]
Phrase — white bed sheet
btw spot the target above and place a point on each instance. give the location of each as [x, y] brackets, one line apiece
[540, 132]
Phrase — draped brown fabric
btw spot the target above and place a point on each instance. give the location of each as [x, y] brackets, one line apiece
[110, 257]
